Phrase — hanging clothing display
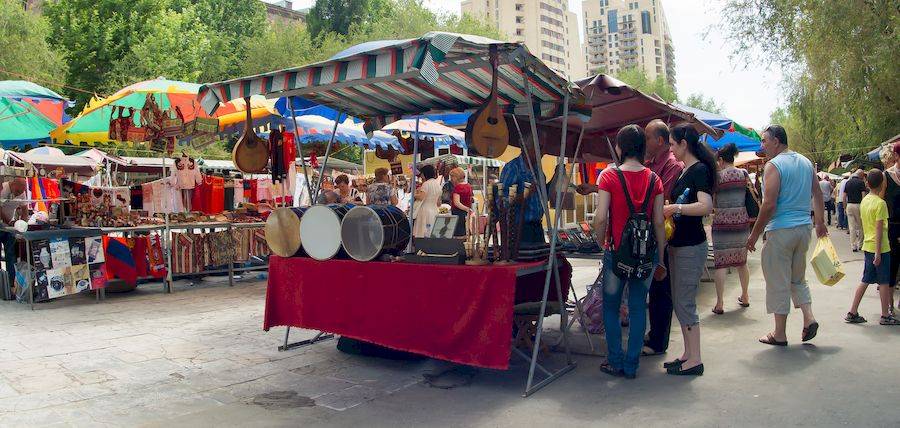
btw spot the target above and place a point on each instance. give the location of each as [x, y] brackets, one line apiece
[119, 261]
[161, 196]
[228, 202]
[276, 154]
[137, 197]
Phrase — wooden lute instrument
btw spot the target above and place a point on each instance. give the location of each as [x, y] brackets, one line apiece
[251, 153]
[486, 129]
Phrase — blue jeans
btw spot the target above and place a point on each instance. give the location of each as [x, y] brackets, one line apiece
[842, 215]
[613, 286]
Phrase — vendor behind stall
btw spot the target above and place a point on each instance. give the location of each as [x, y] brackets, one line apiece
[519, 171]
[13, 206]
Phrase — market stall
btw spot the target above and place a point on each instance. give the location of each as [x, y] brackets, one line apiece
[380, 81]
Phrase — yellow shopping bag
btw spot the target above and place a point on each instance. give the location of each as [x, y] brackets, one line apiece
[826, 263]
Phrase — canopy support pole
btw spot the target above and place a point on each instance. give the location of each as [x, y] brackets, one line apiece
[325, 162]
[300, 152]
[552, 265]
[412, 185]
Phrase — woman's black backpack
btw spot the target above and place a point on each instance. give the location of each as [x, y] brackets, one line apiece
[633, 259]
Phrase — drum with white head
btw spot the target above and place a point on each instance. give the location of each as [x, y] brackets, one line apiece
[320, 230]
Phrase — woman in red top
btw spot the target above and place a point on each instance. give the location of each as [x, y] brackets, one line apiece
[461, 202]
[609, 223]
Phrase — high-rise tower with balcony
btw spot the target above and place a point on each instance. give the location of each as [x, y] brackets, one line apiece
[547, 27]
[623, 34]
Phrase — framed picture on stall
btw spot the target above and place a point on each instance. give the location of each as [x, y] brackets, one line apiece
[444, 226]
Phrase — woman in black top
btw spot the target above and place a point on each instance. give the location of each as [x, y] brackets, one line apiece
[688, 250]
[889, 157]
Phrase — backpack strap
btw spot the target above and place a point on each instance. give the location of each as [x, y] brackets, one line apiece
[650, 185]
[625, 189]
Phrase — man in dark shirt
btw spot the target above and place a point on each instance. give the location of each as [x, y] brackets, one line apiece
[854, 191]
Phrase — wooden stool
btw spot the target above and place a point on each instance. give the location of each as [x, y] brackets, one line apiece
[525, 319]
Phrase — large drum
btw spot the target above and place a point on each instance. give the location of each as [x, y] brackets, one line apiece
[283, 231]
[320, 230]
[368, 232]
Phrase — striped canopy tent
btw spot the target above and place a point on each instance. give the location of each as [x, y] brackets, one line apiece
[464, 161]
[91, 127]
[381, 81]
[390, 78]
[317, 129]
[443, 136]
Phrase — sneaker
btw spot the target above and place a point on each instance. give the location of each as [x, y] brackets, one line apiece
[889, 320]
[854, 318]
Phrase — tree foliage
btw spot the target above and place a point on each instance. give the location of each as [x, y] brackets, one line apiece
[96, 35]
[338, 16]
[638, 79]
[841, 61]
[24, 49]
[174, 46]
[699, 101]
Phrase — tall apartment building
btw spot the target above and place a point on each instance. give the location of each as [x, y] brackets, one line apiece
[547, 27]
[622, 34]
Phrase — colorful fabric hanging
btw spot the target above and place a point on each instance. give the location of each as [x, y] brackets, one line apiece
[119, 261]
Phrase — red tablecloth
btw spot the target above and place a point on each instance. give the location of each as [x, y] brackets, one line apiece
[456, 313]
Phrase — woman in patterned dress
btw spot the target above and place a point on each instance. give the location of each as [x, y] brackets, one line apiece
[731, 226]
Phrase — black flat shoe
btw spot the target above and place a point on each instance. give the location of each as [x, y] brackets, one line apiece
[610, 370]
[674, 363]
[693, 371]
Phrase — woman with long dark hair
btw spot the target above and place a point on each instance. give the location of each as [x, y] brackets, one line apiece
[731, 226]
[692, 197]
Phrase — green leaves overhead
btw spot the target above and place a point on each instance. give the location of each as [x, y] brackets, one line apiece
[841, 61]
[24, 49]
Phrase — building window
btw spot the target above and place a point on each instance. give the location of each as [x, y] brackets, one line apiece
[520, 19]
[520, 32]
[645, 22]
[656, 43]
[658, 60]
[520, 7]
[612, 21]
[658, 69]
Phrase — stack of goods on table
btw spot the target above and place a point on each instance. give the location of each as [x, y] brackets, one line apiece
[91, 206]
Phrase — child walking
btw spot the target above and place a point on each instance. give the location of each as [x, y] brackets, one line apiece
[877, 251]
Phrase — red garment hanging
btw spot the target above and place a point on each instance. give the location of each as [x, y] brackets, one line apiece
[290, 150]
[201, 197]
[216, 203]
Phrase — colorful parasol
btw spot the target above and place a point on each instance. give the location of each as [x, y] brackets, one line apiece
[22, 125]
[91, 127]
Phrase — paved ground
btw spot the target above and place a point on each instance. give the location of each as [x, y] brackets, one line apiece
[198, 357]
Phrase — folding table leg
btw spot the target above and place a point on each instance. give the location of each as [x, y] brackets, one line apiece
[319, 337]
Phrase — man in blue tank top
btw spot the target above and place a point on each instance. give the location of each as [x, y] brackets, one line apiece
[790, 192]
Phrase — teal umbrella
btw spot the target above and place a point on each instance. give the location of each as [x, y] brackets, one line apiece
[22, 125]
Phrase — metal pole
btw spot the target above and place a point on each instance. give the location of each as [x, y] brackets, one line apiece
[300, 151]
[542, 192]
[412, 184]
[168, 241]
[327, 155]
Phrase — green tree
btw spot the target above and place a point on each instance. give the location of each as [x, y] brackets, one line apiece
[841, 61]
[281, 45]
[638, 79]
[173, 46]
[24, 49]
[699, 101]
[95, 35]
[337, 16]
[231, 24]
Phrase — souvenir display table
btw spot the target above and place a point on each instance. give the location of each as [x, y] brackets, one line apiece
[32, 237]
[457, 313]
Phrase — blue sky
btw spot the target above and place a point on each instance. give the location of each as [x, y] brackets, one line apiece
[749, 93]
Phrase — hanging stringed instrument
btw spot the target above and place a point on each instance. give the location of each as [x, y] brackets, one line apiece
[486, 130]
[251, 153]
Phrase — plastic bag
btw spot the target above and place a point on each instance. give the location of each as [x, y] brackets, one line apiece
[825, 262]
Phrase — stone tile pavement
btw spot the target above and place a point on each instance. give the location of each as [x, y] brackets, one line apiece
[149, 356]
